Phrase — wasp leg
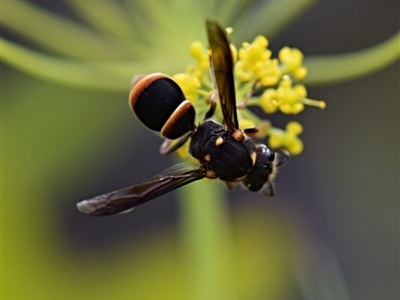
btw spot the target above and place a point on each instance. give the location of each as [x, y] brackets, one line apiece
[211, 110]
[268, 189]
[248, 96]
[230, 185]
[251, 131]
[213, 105]
[166, 147]
[283, 157]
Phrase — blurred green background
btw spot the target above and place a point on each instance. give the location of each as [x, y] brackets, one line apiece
[332, 231]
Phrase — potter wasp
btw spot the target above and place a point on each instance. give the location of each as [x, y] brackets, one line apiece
[224, 151]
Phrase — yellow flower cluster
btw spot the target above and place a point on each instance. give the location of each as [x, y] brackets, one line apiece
[288, 138]
[200, 53]
[255, 70]
[190, 82]
[291, 60]
[255, 63]
[287, 98]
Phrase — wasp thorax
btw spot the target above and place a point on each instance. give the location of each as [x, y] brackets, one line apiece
[160, 104]
[219, 152]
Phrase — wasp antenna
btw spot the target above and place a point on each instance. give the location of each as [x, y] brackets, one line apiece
[282, 157]
[268, 189]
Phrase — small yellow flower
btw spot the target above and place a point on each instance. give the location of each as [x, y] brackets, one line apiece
[268, 101]
[234, 53]
[264, 127]
[290, 97]
[182, 152]
[197, 50]
[243, 72]
[189, 84]
[288, 138]
[300, 73]
[287, 98]
[291, 62]
[269, 74]
[255, 63]
[200, 53]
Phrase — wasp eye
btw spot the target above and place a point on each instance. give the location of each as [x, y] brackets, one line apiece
[270, 154]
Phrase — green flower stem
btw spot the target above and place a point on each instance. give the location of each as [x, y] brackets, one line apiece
[207, 239]
[120, 25]
[63, 71]
[326, 69]
[254, 101]
[117, 75]
[247, 114]
[113, 76]
[60, 34]
[117, 21]
[276, 131]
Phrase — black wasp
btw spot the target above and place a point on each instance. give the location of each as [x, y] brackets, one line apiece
[223, 151]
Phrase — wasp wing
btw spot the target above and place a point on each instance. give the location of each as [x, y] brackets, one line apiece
[126, 199]
[222, 66]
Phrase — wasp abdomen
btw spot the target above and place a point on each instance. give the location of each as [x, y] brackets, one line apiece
[160, 104]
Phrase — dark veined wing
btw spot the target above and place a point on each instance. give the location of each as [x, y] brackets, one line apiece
[128, 198]
[222, 65]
